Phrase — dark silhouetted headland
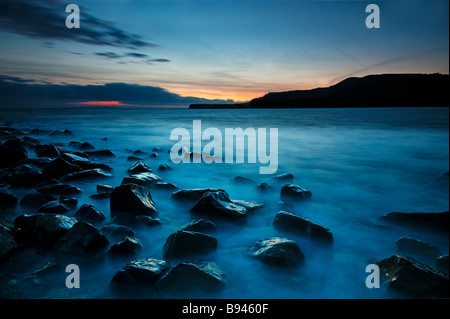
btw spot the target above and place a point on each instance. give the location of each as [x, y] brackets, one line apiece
[385, 90]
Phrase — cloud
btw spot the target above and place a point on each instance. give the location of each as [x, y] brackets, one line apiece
[46, 19]
[135, 55]
[17, 92]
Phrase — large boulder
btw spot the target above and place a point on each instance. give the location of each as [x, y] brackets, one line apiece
[144, 179]
[187, 243]
[277, 251]
[130, 200]
[58, 168]
[299, 225]
[413, 278]
[12, 152]
[190, 278]
[294, 192]
[140, 274]
[48, 228]
[44, 150]
[194, 194]
[220, 205]
[81, 239]
[428, 221]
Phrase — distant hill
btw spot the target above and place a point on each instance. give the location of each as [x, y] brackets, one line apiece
[384, 90]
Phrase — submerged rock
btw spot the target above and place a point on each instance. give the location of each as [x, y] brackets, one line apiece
[24, 176]
[413, 278]
[164, 167]
[89, 214]
[7, 200]
[218, 204]
[82, 238]
[145, 179]
[200, 225]
[277, 251]
[58, 168]
[117, 232]
[194, 194]
[53, 187]
[139, 167]
[192, 277]
[34, 201]
[291, 222]
[127, 246]
[87, 174]
[130, 200]
[429, 221]
[417, 249]
[102, 188]
[264, 187]
[44, 150]
[284, 178]
[291, 191]
[100, 153]
[53, 207]
[187, 243]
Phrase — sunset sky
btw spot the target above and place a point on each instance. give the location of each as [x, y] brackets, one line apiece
[218, 49]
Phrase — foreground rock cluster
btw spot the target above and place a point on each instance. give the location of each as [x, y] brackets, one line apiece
[50, 217]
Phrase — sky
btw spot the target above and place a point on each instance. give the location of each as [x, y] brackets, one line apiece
[176, 52]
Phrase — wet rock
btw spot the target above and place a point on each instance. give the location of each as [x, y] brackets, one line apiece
[86, 175]
[34, 201]
[139, 167]
[187, 243]
[58, 168]
[7, 242]
[54, 187]
[291, 191]
[164, 185]
[24, 176]
[442, 264]
[31, 140]
[82, 146]
[128, 246]
[48, 268]
[82, 238]
[417, 249]
[153, 155]
[219, 204]
[74, 158]
[63, 132]
[130, 200]
[142, 220]
[38, 131]
[144, 179]
[139, 153]
[264, 187]
[277, 251]
[100, 153]
[241, 179]
[103, 188]
[100, 196]
[429, 221]
[70, 202]
[44, 150]
[53, 207]
[250, 206]
[11, 153]
[139, 274]
[116, 232]
[7, 200]
[194, 194]
[294, 223]
[284, 178]
[164, 167]
[40, 162]
[89, 214]
[413, 278]
[200, 225]
[134, 158]
[192, 277]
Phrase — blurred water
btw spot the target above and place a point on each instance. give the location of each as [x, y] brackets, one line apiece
[359, 164]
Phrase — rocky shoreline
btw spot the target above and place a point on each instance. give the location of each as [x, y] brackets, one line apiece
[50, 221]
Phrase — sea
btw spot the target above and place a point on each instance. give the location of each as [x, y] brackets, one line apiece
[358, 163]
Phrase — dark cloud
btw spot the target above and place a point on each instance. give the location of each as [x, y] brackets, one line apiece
[109, 55]
[46, 19]
[16, 92]
[140, 56]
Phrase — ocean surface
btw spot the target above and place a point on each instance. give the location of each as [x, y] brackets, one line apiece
[359, 164]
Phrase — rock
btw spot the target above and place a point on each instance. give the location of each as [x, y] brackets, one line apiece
[284, 178]
[264, 187]
[54, 187]
[58, 132]
[139, 274]
[416, 248]
[157, 149]
[164, 185]
[58, 168]
[74, 158]
[187, 243]
[142, 220]
[31, 140]
[100, 153]
[117, 232]
[102, 188]
[89, 214]
[413, 278]
[48, 268]
[192, 277]
[11, 153]
[291, 222]
[164, 167]
[7, 242]
[82, 238]
[250, 206]
[139, 167]
[24, 176]
[430, 221]
[442, 264]
[34, 201]
[218, 204]
[82, 146]
[134, 158]
[144, 179]
[241, 179]
[44, 150]
[277, 251]
[200, 225]
[87, 174]
[100, 196]
[70, 202]
[53, 207]
[128, 246]
[38, 131]
[48, 228]
[139, 152]
[7, 201]
[194, 194]
[291, 191]
[130, 200]
[153, 154]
